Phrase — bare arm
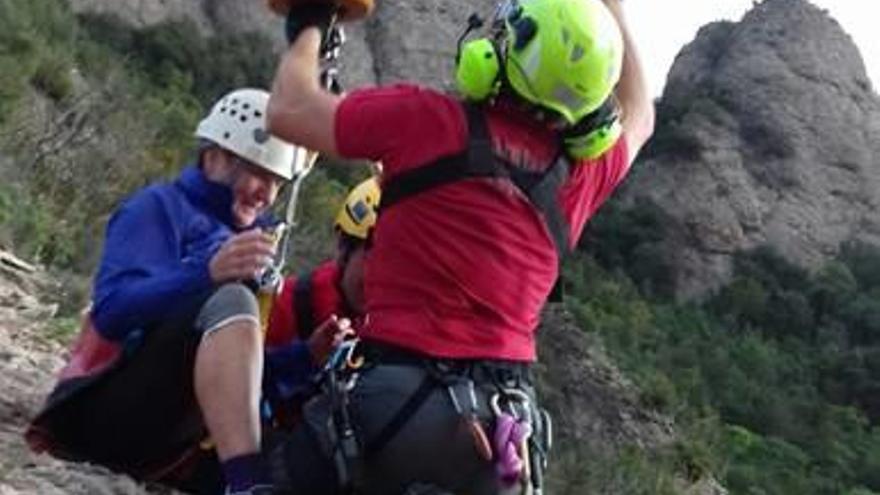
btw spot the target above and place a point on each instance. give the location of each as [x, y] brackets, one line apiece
[300, 110]
[632, 91]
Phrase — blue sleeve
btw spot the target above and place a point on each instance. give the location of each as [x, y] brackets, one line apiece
[143, 278]
[289, 369]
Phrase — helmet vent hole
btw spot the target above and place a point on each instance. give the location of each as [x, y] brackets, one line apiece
[246, 106]
[226, 135]
[258, 114]
[577, 53]
[223, 110]
[243, 119]
[233, 112]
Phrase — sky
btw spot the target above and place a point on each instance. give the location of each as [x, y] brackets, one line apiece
[662, 27]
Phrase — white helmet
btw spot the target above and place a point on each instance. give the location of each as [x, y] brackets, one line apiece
[237, 123]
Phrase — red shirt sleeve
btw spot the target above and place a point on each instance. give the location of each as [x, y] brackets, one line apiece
[402, 126]
[325, 300]
[590, 184]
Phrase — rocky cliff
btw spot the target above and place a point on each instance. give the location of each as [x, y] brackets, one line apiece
[413, 40]
[768, 134]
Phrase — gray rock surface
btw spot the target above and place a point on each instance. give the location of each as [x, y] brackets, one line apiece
[140, 13]
[413, 40]
[768, 133]
[28, 363]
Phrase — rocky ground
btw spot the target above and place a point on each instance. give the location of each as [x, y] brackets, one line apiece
[28, 362]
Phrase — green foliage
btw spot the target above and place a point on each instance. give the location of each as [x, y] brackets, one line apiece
[580, 469]
[630, 239]
[62, 330]
[789, 361]
[314, 240]
[53, 76]
[864, 262]
[30, 36]
[125, 105]
[29, 227]
[175, 54]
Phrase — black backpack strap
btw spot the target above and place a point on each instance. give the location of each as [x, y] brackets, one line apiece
[478, 160]
[542, 190]
[303, 309]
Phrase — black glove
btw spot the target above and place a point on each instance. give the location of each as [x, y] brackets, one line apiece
[305, 14]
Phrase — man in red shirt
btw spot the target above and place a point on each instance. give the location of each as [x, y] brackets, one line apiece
[480, 199]
[317, 309]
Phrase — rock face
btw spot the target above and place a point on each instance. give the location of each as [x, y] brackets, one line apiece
[413, 40]
[142, 13]
[768, 133]
[28, 362]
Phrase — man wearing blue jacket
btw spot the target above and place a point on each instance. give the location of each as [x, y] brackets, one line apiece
[168, 365]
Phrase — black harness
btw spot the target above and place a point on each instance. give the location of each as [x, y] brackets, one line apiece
[476, 161]
[479, 161]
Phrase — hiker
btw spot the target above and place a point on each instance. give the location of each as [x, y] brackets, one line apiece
[481, 195]
[327, 301]
[164, 380]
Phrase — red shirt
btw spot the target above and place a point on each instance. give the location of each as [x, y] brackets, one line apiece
[326, 300]
[462, 270]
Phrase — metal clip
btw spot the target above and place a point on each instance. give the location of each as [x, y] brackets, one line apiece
[519, 397]
[351, 360]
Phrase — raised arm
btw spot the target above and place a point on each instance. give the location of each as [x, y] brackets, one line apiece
[637, 108]
[300, 110]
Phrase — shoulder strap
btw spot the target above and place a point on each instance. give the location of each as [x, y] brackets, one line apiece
[303, 309]
[478, 160]
[542, 189]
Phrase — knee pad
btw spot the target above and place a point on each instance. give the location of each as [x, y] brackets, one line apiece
[230, 303]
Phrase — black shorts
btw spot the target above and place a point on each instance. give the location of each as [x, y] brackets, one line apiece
[141, 416]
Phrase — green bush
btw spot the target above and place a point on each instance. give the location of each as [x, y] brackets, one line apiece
[172, 52]
[788, 356]
[864, 262]
[53, 76]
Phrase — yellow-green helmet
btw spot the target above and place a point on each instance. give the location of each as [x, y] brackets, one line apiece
[564, 55]
[358, 214]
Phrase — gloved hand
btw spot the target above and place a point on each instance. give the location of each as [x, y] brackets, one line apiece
[314, 13]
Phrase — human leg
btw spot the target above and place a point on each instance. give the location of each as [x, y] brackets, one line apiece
[139, 416]
[228, 374]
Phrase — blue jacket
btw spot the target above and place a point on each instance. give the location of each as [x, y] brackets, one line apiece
[155, 266]
[156, 253]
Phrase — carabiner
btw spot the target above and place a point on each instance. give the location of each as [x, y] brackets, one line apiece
[518, 396]
[352, 361]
